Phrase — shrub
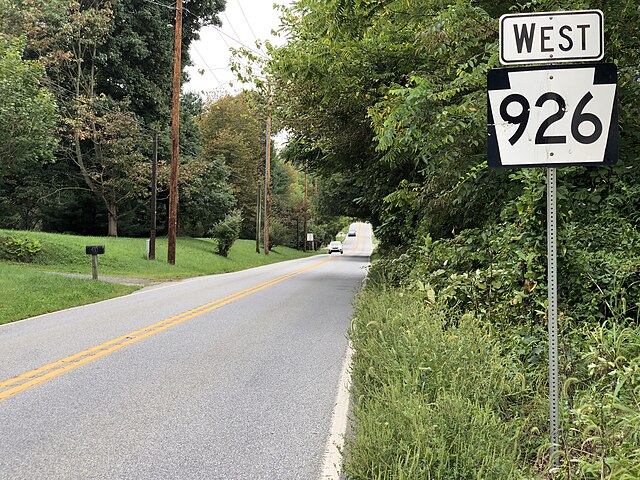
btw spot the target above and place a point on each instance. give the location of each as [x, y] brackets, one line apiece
[227, 231]
[279, 234]
[19, 249]
[603, 438]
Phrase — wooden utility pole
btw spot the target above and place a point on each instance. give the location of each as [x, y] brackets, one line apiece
[258, 220]
[175, 137]
[304, 206]
[154, 196]
[267, 182]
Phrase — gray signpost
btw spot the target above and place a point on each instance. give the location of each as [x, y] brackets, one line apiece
[551, 116]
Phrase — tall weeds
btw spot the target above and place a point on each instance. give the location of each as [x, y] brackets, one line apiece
[435, 396]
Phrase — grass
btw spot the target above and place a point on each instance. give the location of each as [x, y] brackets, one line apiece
[27, 290]
[435, 395]
[27, 293]
[126, 257]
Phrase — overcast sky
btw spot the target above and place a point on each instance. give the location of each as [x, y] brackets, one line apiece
[242, 22]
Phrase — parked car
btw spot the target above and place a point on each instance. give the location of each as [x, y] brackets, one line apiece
[335, 246]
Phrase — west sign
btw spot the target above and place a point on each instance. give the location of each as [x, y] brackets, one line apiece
[551, 37]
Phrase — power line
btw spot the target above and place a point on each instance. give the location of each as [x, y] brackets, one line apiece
[223, 39]
[246, 20]
[209, 68]
[239, 42]
[170, 7]
[231, 26]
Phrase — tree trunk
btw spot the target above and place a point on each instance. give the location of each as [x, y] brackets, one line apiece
[112, 214]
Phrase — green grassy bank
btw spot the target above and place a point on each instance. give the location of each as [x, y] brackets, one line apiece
[28, 290]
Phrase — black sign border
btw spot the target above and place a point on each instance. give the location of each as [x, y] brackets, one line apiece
[605, 74]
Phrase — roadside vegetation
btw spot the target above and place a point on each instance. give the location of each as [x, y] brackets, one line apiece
[27, 292]
[451, 369]
[387, 102]
[30, 261]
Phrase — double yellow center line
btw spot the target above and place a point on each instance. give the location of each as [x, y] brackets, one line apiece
[30, 379]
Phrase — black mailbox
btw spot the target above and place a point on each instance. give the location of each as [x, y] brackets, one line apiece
[95, 249]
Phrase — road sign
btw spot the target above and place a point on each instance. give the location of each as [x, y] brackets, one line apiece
[552, 37]
[552, 116]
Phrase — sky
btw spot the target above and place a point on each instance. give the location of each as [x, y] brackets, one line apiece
[243, 21]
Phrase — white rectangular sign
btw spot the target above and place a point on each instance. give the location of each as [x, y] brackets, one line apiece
[551, 116]
[309, 237]
[550, 37]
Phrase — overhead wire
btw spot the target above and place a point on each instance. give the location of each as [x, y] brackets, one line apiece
[170, 7]
[239, 42]
[209, 68]
[231, 26]
[221, 34]
[247, 20]
[223, 39]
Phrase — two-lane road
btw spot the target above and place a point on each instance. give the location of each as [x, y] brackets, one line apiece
[223, 377]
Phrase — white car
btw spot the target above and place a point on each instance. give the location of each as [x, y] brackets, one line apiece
[335, 246]
[352, 231]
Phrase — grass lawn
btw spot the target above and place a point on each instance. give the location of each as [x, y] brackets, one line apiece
[28, 291]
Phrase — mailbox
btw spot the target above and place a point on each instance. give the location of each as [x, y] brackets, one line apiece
[95, 249]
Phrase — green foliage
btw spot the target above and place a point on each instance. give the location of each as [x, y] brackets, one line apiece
[19, 249]
[498, 274]
[396, 94]
[109, 65]
[396, 90]
[603, 414]
[27, 113]
[436, 395]
[233, 131]
[205, 196]
[227, 231]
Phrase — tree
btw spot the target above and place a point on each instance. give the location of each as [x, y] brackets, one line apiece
[227, 231]
[232, 130]
[205, 196]
[339, 60]
[27, 112]
[107, 61]
[28, 119]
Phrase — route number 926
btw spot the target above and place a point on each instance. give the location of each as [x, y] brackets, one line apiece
[552, 116]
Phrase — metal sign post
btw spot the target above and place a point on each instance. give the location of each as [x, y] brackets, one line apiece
[551, 116]
[552, 309]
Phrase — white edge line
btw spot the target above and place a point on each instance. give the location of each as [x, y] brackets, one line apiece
[332, 464]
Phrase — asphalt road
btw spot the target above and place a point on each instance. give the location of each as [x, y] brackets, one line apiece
[223, 377]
